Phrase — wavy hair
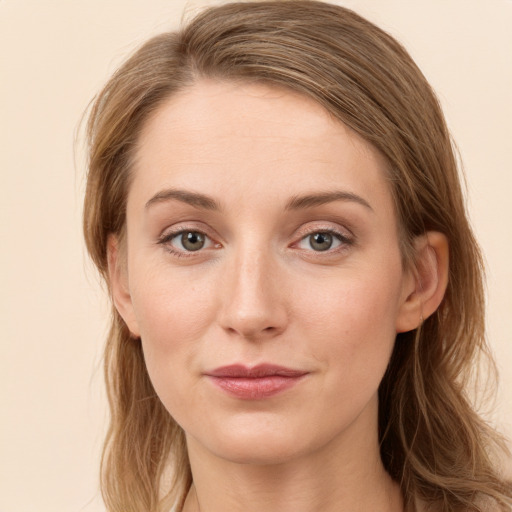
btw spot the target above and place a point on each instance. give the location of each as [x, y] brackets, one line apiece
[433, 443]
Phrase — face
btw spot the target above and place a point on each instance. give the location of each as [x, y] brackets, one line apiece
[263, 271]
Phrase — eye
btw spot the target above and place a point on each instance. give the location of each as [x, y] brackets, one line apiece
[187, 241]
[321, 241]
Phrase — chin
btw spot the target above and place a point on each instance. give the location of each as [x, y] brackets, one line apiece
[259, 452]
[263, 442]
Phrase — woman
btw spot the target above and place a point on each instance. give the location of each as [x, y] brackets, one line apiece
[273, 201]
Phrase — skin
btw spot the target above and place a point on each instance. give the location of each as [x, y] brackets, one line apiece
[258, 291]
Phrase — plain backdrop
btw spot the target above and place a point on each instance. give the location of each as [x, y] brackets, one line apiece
[54, 56]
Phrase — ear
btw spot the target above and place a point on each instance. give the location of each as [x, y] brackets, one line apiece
[119, 288]
[425, 283]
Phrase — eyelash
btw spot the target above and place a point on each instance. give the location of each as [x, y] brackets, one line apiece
[169, 236]
[345, 241]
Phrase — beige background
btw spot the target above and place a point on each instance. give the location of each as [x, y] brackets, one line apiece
[54, 55]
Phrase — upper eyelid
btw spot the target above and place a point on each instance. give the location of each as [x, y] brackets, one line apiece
[305, 232]
[171, 231]
[342, 232]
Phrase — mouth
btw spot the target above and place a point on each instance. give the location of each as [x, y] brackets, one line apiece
[256, 383]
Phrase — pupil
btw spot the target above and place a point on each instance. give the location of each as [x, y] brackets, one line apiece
[321, 241]
[192, 241]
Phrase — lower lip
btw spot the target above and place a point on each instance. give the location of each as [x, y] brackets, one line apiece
[255, 388]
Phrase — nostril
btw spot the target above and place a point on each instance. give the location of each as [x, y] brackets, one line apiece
[253, 332]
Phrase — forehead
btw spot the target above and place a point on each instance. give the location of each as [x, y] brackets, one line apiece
[221, 134]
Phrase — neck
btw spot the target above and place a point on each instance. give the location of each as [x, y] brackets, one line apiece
[344, 475]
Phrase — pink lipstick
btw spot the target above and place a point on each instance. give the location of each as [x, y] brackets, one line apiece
[262, 381]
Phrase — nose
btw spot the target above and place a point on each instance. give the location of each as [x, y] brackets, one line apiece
[253, 298]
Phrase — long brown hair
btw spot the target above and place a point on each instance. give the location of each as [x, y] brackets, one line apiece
[433, 443]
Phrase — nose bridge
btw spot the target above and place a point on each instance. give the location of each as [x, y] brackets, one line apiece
[253, 306]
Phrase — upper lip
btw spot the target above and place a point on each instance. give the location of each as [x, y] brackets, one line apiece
[259, 371]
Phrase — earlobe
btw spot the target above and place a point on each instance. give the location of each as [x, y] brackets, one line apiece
[119, 288]
[426, 283]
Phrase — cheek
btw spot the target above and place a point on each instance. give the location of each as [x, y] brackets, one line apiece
[173, 313]
[353, 304]
[172, 307]
[351, 335]
[353, 322]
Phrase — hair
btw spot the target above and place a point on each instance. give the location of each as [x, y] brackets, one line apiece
[432, 441]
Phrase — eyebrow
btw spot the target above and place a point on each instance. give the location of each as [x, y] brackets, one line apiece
[192, 198]
[199, 200]
[319, 199]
